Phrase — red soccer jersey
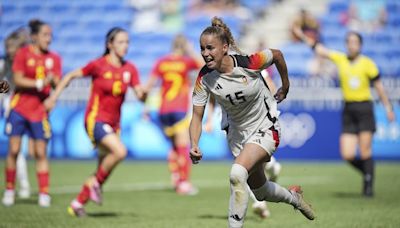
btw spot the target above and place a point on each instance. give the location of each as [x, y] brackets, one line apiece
[109, 86]
[174, 73]
[29, 102]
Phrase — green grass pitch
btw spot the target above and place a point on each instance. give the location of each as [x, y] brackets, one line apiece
[139, 194]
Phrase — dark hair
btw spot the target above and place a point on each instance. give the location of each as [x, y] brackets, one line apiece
[359, 36]
[111, 36]
[35, 25]
[222, 31]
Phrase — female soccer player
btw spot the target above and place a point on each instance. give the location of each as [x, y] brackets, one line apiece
[111, 75]
[356, 72]
[14, 41]
[236, 84]
[173, 70]
[35, 70]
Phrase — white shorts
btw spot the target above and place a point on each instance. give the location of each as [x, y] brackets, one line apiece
[267, 136]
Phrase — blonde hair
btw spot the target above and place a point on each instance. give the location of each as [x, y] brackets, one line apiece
[222, 31]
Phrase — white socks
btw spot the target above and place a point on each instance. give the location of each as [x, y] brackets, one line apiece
[239, 195]
[22, 172]
[273, 192]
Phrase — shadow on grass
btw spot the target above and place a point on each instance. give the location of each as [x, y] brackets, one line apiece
[105, 214]
[27, 201]
[353, 195]
[225, 217]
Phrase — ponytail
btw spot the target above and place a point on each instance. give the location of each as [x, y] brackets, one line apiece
[222, 31]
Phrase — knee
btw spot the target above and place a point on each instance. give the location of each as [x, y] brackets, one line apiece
[40, 154]
[13, 151]
[121, 153]
[238, 175]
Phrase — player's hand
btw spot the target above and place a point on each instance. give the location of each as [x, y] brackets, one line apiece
[281, 94]
[4, 86]
[390, 115]
[195, 154]
[49, 103]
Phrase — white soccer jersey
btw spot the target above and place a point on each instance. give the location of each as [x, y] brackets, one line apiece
[243, 94]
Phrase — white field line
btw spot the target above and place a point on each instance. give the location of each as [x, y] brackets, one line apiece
[154, 186]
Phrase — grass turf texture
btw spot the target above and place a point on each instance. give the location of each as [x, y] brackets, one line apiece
[139, 195]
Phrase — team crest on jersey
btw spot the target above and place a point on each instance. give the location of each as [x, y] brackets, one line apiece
[126, 76]
[244, 79]
[107, 75]
[31, 62]
[49, 63]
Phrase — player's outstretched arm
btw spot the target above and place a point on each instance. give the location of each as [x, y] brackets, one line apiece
[195, 132]
[318, 48]
[50, 102]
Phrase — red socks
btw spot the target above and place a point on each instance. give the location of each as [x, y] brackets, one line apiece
[43, 180]
[10, 178]
[84, 195]
[173, 161]
[183, 163]
[101, 175]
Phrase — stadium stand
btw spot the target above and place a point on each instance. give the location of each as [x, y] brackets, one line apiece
[79, 28]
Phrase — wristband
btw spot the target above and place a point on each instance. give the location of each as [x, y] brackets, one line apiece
[314, 45]
[39, 84]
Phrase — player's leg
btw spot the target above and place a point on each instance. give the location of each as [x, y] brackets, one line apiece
[42, 171]
[272, 169]
[365, 138]
[40, 132]
[15, 127]
[181, 145]
[173, 166]
[111, 152]
[260, 208]
[10, 170]
[22, 175]
[348, 138]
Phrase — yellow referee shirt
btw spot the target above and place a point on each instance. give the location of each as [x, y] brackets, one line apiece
[355, 76]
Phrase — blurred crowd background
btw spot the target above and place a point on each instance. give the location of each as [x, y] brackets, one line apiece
[311, 114]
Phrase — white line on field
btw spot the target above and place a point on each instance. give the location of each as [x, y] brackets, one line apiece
[153, 186]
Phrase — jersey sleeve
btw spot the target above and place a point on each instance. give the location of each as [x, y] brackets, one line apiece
[89, 69]
[135, 76]
[57, 67]
[19, 61]
[336, 57]
[257, 61]
[200, 92]
[192, 64]
[372, 70]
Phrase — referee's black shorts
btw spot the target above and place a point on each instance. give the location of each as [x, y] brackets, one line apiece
[357, 117]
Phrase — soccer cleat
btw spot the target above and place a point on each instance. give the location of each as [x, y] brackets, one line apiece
[301, 205]
[76, 209]
[44, 200]
[8, 198]
[260, 208]
[368, 189]
[95, 192]
[186, 188]
[175, 179]
[24, 193]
